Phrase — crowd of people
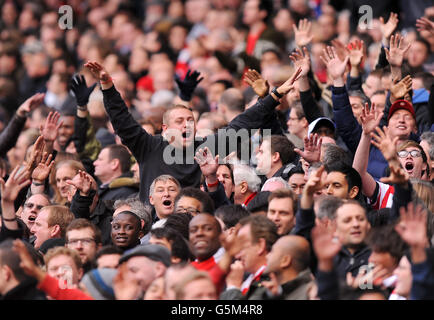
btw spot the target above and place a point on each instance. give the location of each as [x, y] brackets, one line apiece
[217, 149]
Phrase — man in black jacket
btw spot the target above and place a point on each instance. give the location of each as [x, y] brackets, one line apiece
[112, 168]
[166, 154]
[14, 283]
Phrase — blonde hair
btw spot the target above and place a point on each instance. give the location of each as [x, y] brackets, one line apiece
[63, 251]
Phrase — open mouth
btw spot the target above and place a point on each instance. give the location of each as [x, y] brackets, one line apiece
[186, 134]
[32, 218]
[402, 127]
[409, 166]
[167, 203]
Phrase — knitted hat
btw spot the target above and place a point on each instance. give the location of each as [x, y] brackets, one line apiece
[99, 283]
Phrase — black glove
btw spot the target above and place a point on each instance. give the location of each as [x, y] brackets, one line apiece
[80, 89]
[188, 85]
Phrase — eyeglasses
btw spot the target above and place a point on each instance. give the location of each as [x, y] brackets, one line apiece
[84, 241]
[30, 205]
[413, 153]
[191, 211]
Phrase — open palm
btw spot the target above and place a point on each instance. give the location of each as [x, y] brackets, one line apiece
[412, 227]
[335, 66]
[301, 60]
[395, 54]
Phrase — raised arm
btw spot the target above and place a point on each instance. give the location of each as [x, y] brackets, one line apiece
[49, 130]
[305, 216]
[9, 135]
[303, 35]
[388, 27]
[126, 127]
[301, 59]
[187, 86]
[395, 55]
[262, 114]
[84, 135]
[356, 57]
[9, 192]
[413, 230]
[326, 248]
[346, 124]
[370, 120]
[312, 148]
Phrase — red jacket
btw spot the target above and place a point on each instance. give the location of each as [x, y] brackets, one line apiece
[51, 287]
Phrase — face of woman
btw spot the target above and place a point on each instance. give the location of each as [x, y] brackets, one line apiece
[125, 230]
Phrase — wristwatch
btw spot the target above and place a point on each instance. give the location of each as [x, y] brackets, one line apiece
[277, 93]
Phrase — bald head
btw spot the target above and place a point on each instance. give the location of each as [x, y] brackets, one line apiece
[233, 100]
[289, 252]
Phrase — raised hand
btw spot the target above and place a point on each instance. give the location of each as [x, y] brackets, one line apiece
[382, 141]
[312, 148]
[43, 169]
[395, 54]
[235, 275]
[51, 127]
[207, 163]
[288, 85]
[98, 71]
[36, 154]
[81, 182]
[341, 50]
[81, 90]
[30, 104]
[397, 175]
[188, 85]
[370, 118]
[356, 49]
[388, 28]
[273, 285]
[258, 84]
[399, 89]
[335, 66]
[17, 180]
[325, 246]
[412, 226]
[230, 242]
[303, 34]
[314, 182]
[301, 60]
[425, 24]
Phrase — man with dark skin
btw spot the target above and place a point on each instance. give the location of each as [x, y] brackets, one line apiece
[204, 233]
[125, 230]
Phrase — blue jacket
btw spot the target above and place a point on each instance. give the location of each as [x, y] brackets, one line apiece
[423, 279]
[350, 131]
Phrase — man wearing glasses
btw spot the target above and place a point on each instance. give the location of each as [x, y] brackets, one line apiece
[193, 201]
[85, 238]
